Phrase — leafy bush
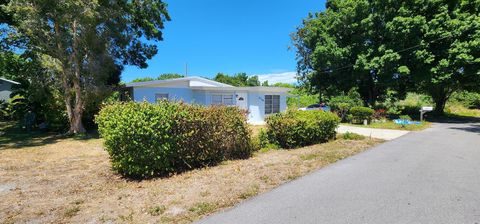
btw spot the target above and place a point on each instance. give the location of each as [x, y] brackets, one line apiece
[3, 110]
[361, 113]
[352, 136]
[263, 138]
[469, 100]
[302, 99]
[405, 117]
[146, 140]
[342, 104]
[301, 128]
[380, 114]
[412, 104]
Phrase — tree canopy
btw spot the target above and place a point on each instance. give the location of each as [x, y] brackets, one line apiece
[428, 46]
[160, 77]
[86, 43]
[239, 79]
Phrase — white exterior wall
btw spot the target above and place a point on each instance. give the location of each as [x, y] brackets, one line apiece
[148, 94]
[208, 95]
[5, 90]
[256, 106]
[199, 97]
[255, 100]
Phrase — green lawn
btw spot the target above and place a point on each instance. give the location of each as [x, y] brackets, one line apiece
[392, 125]
[458, 110]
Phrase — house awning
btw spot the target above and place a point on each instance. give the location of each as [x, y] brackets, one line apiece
[10, 81]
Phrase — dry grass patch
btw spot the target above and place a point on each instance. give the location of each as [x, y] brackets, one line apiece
[70, 181]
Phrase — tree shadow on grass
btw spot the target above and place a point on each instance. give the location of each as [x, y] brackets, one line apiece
[12, 136]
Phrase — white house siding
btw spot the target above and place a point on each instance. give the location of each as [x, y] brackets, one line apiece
[208, 95]
[148, 94]
[256, 106]
[199, 90]
[5, 90]
[199, 97]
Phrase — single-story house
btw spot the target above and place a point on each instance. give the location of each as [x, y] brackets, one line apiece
[6, 88]
[259, 101]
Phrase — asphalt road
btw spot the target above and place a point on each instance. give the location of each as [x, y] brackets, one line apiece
[431, 176]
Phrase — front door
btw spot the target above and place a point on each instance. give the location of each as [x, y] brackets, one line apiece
[241, 98]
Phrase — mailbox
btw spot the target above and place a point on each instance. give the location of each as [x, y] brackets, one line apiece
[427, 108]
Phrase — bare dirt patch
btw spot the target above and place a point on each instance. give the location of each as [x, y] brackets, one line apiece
[70, 181]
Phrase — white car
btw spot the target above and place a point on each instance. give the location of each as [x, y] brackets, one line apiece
[316, 107]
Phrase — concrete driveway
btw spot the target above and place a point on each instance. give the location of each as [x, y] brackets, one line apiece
[386, 134]
[432, 176]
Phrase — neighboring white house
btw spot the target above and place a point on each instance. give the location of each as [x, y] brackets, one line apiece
[259, 101]
[6, 88]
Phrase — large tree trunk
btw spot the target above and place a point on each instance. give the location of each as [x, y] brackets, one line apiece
[74, 109]
[440, 105]
[76, 124]
[440, 96]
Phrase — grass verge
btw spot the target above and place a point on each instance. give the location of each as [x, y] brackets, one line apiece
[457, 110]
[81, 188]
[393, 126]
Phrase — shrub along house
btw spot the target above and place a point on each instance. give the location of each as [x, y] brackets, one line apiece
[258, 101]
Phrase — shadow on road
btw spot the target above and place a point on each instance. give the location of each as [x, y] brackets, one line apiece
[475, 128]
[455, 119]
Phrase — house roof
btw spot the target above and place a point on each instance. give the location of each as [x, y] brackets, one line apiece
[168, 81]
[211, 85]
[10, 81]
[251, 89]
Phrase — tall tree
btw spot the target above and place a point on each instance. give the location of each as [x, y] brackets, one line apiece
[88, 42]
[429, 46]
[239, 79]
[160, 77]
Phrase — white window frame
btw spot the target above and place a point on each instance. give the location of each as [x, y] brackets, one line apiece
[161, 96]
[223, 99]
[272, 104]
[217, 99]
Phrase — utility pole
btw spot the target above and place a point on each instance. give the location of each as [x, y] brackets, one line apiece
[186, 69]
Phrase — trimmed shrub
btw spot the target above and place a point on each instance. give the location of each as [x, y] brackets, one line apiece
[361, 113]
[301, 128]
[146, 140]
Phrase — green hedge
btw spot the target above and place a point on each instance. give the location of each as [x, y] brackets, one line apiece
[146, 140]
[361, 113]
[301, 128]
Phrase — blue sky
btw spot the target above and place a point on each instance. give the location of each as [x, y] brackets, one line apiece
[229, 36]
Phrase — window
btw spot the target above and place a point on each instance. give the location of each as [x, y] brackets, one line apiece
[272, 104]
[161, 96]
[222, 99]
[217, 99]
[228, 99]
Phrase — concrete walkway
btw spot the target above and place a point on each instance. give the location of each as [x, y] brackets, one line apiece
[432, 176]
[386, 134]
